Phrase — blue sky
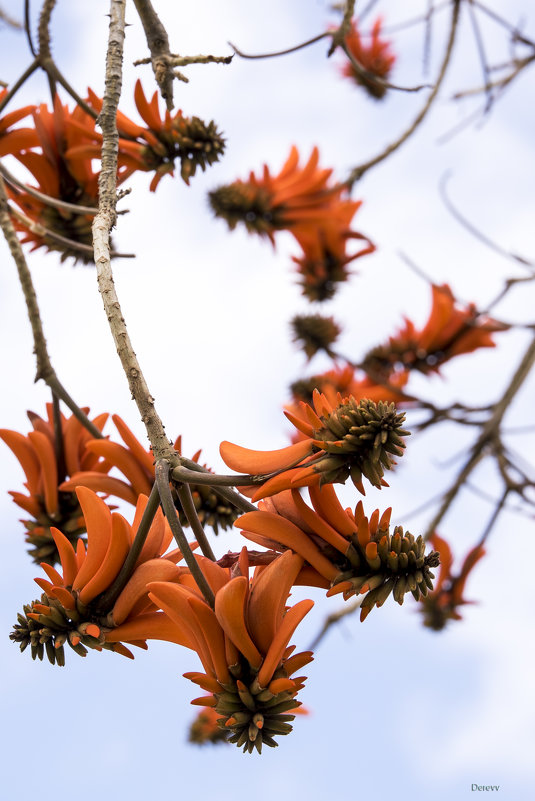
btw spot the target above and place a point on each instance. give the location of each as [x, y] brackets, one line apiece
[396, 711]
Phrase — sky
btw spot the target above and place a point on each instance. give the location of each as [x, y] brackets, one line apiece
[395, 709]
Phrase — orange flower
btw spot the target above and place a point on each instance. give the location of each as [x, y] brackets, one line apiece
[451, 330]
[70, 610]
[243, 645]
[347, 439]
[375, 57]
[441, 605]
[157, 147]
[205, 728]
[60, 177]
[12, 142]
[345, 552]
[137, 465]
[323, 263]
[46, 460]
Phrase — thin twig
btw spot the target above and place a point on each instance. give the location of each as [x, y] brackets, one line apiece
[50, 201]
[357, 172]
[371, 77]
[184, 474]
[333, 618]
[285, 52]
[482, 57]
[28, 29]
[18, 83]
[488, 431]
[475, 231]
[41, 231]
[45, 371]
[162, 481]
[494, 516]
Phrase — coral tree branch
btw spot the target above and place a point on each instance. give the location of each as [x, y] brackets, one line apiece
[102, 225]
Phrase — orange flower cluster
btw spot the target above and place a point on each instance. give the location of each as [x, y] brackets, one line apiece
[59, 150]
[156, 147]
[243, 645]
[47, 456]
[299, 200]
[61, 178]
[242, 641]
[441, 605]
[451, 330]
[349, 438]
[375, 58]
[346, 552]
[137, 466]
[69, 611]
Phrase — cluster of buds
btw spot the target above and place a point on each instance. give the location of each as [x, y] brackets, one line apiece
[47, 625]
[253, 715]
[350, 438]
[315, 333]
[360, 438]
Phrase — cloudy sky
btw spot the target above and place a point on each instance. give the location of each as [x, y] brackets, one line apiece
[396, 710]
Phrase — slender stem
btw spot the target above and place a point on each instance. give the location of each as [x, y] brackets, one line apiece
[45, 371]
[52, 70]
[16, 86]
[489, 430]
[50, 201]
[27, 27]
[102, 225]
[71, 244]
[108, 598]
[333, 618]
[186, 500]
[162, 481]
[59, 447]
[181, 473]
[314, 39]
[494, 517]
[358, 172]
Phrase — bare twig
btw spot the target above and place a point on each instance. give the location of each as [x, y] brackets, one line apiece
[50, 201]
[334, 617]
[482, 57]
[28, 29]
[71, 244]
[489, 430]
[475, 231]
[18, 83]
[371, 77]
[357, 172]
[45, 371]
[285, 52]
